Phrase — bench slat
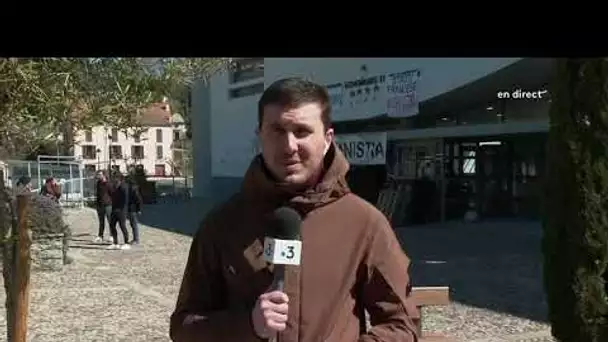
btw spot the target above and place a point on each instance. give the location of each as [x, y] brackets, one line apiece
[427, 296]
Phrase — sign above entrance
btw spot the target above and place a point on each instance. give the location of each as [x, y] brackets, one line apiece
[364, 148]
[393, 94]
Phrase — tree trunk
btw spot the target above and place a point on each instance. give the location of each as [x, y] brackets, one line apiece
[575, 242]
[21, 290]
[67, 148]
[8, 227]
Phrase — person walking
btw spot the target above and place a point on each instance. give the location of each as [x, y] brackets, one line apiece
[103, 201]
[120, 200]
[134, 208]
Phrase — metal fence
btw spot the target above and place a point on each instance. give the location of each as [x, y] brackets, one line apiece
[78, 180]
[67, 170]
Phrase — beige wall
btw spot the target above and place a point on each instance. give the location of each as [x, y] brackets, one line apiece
[148, 141]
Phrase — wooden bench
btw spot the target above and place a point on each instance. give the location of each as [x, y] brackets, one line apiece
[429, 296]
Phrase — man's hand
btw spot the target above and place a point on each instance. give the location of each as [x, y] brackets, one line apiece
[269, 315]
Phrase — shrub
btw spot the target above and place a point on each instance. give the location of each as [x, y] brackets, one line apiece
[45, 217]
[575, 241]
[44, 214]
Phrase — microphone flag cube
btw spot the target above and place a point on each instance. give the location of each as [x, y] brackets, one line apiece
[282, 252]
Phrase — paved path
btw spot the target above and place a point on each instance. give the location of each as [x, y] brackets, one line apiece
[128, 295]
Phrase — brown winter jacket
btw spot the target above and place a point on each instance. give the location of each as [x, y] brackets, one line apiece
[350, 255]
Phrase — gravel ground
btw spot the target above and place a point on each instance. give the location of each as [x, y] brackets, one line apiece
[493, 270]
[107, 295]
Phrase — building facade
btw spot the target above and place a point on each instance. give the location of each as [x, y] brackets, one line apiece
[463, 132]
[153, 149]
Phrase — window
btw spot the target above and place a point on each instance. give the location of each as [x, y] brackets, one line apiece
[114, 136]
[247, 69]
[159, 135]
[176, 135]
[159, 152]
[88, 136]
[89, 152]
[115, 152]
[137, 152]
[137, 137]
[244, 91]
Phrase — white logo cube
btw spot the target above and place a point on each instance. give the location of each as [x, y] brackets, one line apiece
[282, 252]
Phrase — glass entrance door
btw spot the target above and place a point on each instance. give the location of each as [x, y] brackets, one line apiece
[494, 178]
[478, 175]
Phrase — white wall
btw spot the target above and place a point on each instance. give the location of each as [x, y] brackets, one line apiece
[233, 121]
[147, 140]
[233, 125]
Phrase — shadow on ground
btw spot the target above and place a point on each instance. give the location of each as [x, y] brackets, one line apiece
[493, 265]
[181, 217]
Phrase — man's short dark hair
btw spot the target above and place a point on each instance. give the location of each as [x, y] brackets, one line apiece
[293, 92]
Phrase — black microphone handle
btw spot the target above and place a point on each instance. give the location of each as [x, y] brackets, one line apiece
[278, 283]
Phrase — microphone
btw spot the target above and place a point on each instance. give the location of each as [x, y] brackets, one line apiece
[285, 248]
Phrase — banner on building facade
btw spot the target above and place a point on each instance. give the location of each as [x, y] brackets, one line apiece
[402, 93]
[393, 94]
[336, 96]
[363, 148]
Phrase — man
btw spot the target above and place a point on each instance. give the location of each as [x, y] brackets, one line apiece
[120, 204]
[103, 201]
[134, 208]
[351, 259]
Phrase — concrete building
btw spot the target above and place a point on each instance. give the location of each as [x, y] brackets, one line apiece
[472, 128]
[153, 149]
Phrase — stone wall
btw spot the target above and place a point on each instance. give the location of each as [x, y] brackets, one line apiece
[48, 252]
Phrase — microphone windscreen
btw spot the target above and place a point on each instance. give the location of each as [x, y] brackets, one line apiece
[287, 223]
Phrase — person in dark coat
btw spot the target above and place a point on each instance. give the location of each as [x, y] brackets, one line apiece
[133, 208]
[120, 200]
[103, 201]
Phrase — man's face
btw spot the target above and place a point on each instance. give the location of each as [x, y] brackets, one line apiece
[294, 142]
[101, 177]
